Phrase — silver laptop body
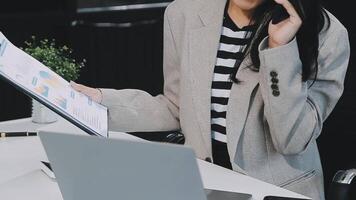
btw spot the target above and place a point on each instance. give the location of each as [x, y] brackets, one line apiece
[89, 168]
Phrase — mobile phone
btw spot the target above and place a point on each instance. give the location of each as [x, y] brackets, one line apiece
[279, 13]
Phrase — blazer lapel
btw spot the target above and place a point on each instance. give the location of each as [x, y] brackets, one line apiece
[203, 47]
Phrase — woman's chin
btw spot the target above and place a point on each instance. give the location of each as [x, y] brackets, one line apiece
[247, 4]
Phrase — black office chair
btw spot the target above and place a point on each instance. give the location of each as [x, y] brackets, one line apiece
[342, 186]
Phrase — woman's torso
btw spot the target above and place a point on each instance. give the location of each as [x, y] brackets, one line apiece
[196, 27]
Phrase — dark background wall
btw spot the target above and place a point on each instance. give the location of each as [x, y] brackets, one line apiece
[123, 49]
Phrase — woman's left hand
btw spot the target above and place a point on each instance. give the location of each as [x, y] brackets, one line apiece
[283, 32]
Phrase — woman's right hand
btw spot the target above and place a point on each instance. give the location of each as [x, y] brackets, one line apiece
[93, 93]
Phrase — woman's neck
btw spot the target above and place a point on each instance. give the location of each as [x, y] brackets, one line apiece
[240, 17]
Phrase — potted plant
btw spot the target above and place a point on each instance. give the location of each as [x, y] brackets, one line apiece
[57, 58]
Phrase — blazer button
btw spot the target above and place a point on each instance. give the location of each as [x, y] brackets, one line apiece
[273, 74]
[274, 86]
[276, 93]
[207, 159]
[274, 80]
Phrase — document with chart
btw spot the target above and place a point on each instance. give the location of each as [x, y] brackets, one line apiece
[41, 83]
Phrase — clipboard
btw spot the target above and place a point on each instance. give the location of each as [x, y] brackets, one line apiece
[80, 122]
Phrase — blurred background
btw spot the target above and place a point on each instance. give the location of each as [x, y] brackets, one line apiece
[122, 43]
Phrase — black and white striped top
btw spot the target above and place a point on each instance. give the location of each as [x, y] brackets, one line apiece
[233, 41]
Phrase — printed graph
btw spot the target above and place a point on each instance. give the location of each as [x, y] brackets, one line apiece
[41, 89]
[49, 79]
[61, 102]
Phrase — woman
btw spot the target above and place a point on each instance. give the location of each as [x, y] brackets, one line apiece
[248, 94]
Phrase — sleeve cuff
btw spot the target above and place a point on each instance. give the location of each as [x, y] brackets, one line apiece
[292, 46]
[106, 96]
[282, 58]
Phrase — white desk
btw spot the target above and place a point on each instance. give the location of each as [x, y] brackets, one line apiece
[21, 178]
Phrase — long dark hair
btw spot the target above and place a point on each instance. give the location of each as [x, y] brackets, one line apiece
[314, 18]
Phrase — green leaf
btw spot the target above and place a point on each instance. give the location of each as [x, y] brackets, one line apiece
[59, 59]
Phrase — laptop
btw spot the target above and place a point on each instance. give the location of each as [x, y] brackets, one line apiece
[89, 168]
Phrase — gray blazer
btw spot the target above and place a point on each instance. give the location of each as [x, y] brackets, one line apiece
[270, 137]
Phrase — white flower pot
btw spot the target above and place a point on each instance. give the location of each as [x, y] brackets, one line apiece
[41, 114]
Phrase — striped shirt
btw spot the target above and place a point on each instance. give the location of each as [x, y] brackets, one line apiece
[233, 42]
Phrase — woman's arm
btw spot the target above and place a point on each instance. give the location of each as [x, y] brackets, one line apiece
[294, 112]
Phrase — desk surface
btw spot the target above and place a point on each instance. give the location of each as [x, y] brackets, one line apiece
[21, 177]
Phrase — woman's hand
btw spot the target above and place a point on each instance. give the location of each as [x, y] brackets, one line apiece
[283, 32]
[93, 93]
